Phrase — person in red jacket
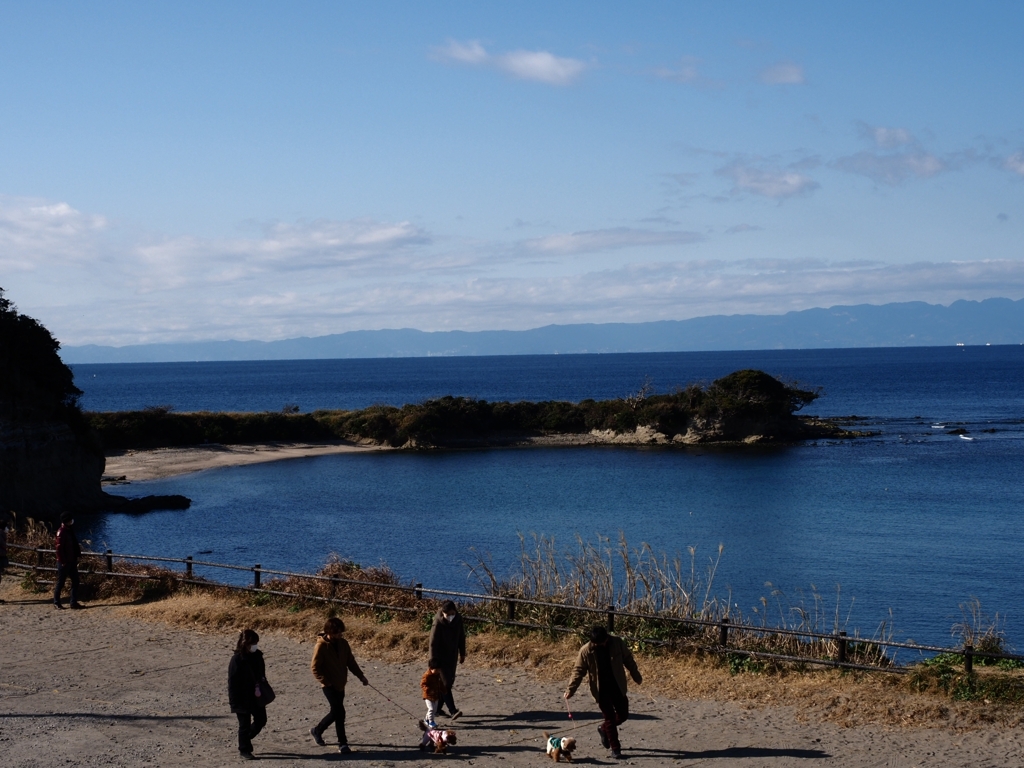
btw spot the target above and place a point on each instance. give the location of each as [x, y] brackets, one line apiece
[68, 553]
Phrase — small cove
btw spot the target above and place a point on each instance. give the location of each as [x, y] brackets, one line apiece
[915, 519]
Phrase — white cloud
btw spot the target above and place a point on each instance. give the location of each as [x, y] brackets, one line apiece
[783, 73]
[539, 66]
[317, 277]
[886, 138]
[1015, 163]
[465, 53]
[776, 183]
[608, 239]
[679, 290]
[892, 169]
[898, 157]
[303, 245]
[33, 230]
[282, 307]
[686, 72]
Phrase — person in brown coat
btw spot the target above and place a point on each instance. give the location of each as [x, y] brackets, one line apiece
[332, 661]
[604, 660]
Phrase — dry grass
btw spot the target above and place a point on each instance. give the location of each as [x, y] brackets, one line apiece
[846, 699]
[597, 574]
[934, 695]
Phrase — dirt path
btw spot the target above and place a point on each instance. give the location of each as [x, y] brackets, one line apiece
[99, 687]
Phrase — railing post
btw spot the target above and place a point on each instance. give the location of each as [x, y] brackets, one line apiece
[39, 561]
[418, 590]
[110, 561]
[968, 659]
[256, 575]
[611, 618]
[841, 643]
[511, 607]
[723, 632]
[188, 567]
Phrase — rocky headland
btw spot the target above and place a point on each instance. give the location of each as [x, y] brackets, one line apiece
[50, 460]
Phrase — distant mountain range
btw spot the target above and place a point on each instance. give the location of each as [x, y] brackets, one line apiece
[909, 324]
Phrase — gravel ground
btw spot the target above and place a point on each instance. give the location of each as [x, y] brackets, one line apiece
[100, 687]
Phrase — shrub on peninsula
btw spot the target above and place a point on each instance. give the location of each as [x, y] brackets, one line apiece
[740, 404]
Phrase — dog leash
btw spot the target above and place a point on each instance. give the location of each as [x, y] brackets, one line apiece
[571, 718]
[410, 714]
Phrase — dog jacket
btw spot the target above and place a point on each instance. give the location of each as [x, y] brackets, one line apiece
[436, 736]
[554, 743]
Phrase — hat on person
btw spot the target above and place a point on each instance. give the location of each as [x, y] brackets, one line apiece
[66, 517]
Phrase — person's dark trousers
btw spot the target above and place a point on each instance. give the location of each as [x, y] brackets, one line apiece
[448, 678]
[336, 699]
[249, 725]
[615, 708]
[65, 572]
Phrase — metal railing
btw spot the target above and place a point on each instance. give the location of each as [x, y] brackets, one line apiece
[721, 627]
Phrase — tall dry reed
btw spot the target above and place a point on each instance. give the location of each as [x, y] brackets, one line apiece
[596, 574]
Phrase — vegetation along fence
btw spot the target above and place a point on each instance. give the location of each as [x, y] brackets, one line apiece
[737, 641]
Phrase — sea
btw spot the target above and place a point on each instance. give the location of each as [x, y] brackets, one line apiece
[899, 533]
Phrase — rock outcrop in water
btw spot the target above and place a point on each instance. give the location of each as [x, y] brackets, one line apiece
[50, 461]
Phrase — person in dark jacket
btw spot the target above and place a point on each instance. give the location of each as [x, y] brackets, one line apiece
[448, 650]
[332, 661]
[68, 553]
[604, 660]
[246, 671]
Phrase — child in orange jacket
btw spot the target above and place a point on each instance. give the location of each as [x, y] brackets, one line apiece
[433, 692]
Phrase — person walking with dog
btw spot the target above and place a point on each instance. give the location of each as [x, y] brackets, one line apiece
[604, 661]
[447, 650]
[332, 661]
[247, 690]
[68, 552]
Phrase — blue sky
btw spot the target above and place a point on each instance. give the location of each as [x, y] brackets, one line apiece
[182, 171]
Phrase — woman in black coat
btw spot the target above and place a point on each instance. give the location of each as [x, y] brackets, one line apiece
[245, 673]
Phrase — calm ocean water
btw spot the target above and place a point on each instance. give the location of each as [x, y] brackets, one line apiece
[916, 520]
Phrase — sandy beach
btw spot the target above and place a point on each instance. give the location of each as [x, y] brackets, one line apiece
[166, 462]
[158, 463]
[105, 686]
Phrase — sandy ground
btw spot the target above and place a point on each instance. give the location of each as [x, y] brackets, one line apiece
[102, 687]
[156, 464]
[166, 462]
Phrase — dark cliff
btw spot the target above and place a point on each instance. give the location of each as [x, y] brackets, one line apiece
[50, 460]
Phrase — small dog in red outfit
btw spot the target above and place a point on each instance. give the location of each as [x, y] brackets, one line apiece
[440, 738]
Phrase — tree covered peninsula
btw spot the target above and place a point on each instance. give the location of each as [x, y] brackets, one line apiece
[744, 407]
